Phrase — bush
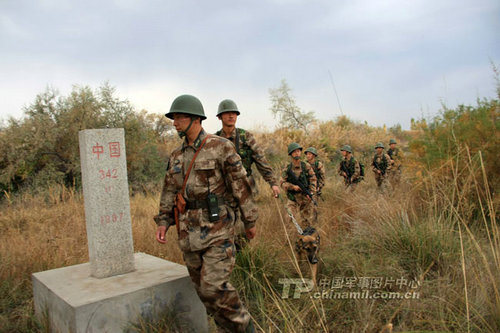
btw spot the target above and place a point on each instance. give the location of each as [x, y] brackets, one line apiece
[42, 148]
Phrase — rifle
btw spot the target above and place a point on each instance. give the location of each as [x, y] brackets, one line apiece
[295, 181]
[343, 168]
[375, 164]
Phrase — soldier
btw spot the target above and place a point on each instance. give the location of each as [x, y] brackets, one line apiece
[381, 166]
[203, 179]
[318, 167]
[396, 161]
[250, 153]
[299, 171]
[350, 169]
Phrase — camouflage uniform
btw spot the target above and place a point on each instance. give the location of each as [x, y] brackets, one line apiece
[319, 171]
[353, 170]
[207, 247]
[297, 201]
[250, 153]
[397, 156]
[382, 162]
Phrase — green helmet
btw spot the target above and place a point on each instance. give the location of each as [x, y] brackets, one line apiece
[391, 141]
[293, 146]
[312, 150]
[379, 145]
[227, 105]
[186, 104]
[347, 148]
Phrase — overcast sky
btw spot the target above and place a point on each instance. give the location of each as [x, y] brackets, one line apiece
[390, 60]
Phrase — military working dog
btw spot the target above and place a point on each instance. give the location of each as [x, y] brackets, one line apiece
[307, 245]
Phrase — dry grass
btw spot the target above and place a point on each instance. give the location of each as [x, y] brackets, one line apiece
[413, 233]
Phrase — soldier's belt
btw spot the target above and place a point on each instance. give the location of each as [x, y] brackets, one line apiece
[202, 204]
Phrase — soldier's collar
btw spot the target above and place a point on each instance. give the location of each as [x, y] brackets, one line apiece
[196, 144]
[231, 135]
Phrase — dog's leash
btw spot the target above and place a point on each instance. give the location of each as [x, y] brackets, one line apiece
[299, 229]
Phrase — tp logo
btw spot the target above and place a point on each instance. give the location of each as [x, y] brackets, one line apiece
[301, 286]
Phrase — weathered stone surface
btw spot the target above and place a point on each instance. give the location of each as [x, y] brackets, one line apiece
[76, 302]
[107, 294]
[106, 196]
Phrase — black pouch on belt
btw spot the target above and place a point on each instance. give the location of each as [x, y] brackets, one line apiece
[213, 207]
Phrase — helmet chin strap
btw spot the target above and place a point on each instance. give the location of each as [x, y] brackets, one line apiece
[182, 134]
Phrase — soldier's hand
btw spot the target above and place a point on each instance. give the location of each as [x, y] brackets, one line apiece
[250, 233]
[345, 174]
[160, 234]
[296, 187]
[276, 191]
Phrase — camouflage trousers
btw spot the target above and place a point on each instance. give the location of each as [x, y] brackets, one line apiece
[383, 183]
[395, 177]
[210, 270]
[304, 208]
[240, 238]
[350, 187]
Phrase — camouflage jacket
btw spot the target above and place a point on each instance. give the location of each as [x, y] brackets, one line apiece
[381, 162]
[352, 168]
[396, 155]
[308, 177]
[319, 171]
[250, 152]
[217, 169]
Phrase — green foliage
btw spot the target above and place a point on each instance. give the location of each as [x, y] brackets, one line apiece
[255, 268]
[459, 132]
[15, 301]
[42, 148]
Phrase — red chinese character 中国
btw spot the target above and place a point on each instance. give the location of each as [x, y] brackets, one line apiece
[114, 149]
[97, 149]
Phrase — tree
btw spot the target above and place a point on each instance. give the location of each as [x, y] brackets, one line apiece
[284, 106]
[42, 148]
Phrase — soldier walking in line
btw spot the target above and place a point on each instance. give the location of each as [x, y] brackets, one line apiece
[203, 179]
[381, 166]
[396, 161]
[299, 182]
[250, 153]
[318, 167]
[319, 170]
[350, 169]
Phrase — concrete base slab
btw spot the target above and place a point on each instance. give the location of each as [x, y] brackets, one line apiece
[73, 301]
